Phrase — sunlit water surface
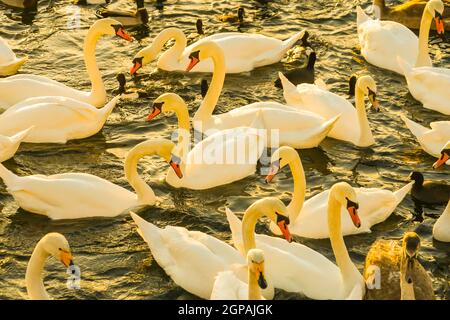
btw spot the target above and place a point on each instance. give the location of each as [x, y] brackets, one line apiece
[114, 260]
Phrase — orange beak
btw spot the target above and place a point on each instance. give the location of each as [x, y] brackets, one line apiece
[441, 161]
[66, 258]
[123, 34]
[285, 230]
[177, 169]
[354, 216]
[135, 68]
[154, 113]
[273, 171]
[439, 25]
[192, 64]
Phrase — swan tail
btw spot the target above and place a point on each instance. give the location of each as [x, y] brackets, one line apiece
[401, 193]
[7, 176]
[108, 108]
[289, 43]
[361, 16]
[235, 227]
[287, 85]
[404, 66]
[416, 129]
[20, 136]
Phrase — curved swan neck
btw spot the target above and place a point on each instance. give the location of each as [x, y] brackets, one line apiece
[254, 291]
[144, 193]
[174, 53]
[251, 216]
[33, 276]
[343, 260]
[425, 25]
[208, 104]
[184, 127]
[98, 92]
[365, 133]
[298, 197]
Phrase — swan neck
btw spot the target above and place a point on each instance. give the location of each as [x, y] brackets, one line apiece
[173, 54]
[406, 289]
[33, 276]
[298, 197]
[254, 292]
[365, 133]
[98, 92]
[184, 133]
[212, 96]
[425, 25]
[343, 260]
[251, 216]
[145, 194]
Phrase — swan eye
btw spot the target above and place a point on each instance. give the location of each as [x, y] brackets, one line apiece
[59, 249]
[282, 218]
[138, 60]
[195, 54]
[351, 204]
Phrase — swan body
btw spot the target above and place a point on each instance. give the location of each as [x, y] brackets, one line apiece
[429, 85]
[243, 51]
[223, 157]
[408, 13]
[401, 276]
[382, 41]
[10, 145]
[52, 244]
[228, 286]
[193, 259]
[55, 119]
[80, 195]
[352, 125]
[309, 218]
[17, 88]
[441, 228]
[431, 140]
[9, 63]
[294, 267]
[297, 128]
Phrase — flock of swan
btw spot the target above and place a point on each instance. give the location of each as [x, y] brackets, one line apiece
[42, 110]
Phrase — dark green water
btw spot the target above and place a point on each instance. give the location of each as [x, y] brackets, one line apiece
[114, 260]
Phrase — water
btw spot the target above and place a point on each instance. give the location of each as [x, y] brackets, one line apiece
[114, 260]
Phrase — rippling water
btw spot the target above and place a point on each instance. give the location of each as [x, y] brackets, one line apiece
[114, 260]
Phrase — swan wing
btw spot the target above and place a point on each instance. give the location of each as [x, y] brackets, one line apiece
[229, 287]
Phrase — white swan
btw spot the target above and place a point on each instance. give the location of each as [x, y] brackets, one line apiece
[352, 125]
[382, 41]
[193, 259]
[441, 228]
[297, 128]
[9, 63]
[81, 195]
[228, 286]
[52, 244]
[222, 158]
[444, 156]
[294, 267]
[429, 85]
[242, 51]
[20, 87]
[309, 218]
[55, 119]
[433, 140]
[10, 145]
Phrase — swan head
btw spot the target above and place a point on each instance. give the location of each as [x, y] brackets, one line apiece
[410, 251]
[255, 263]
[166, 102]
[56, 245]
[111, 27]
[345, 195]
[276, 211]
[436, 9]
[204, 51]
[369, 88]
[445, 156]
[165, 149]
[280, 158]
